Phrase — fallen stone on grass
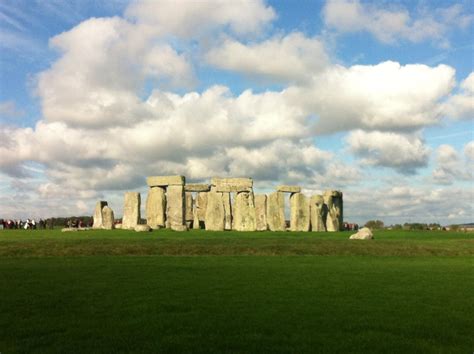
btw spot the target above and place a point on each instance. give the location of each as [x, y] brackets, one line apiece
[118, 226]
[362, 234]
[72, 229]
[142, 228]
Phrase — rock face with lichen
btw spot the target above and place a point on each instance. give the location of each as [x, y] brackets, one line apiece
[334, 218]
[131, 210]
[276, 211]
[98, 223]
[108, 219]
[318, 212]
[244, 217]
[176, 207]
[156, 207]
[261, 212]
[215, 212]
[299, 212]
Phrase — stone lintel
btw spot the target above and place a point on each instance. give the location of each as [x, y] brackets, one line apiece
[227, 185]
[195, 187]
[163, 181]
[289, 189]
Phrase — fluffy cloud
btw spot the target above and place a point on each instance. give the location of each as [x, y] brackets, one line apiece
[291, 58]
[450, 166]
[403, 153]
[391, 24]
[9, 110]
[461, 104]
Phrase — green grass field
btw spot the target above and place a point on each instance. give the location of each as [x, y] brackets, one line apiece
[121, 291]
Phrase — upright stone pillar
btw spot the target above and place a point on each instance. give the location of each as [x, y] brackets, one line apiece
[98, 223]
[176, 207]
[276, 211]
[334, 219]
[156, 207]
[201, 206]
[299, 211]
[131, 210]
[189, 206]
[215, 212]
[108, 218]
[227, 211]
[244, 212]
[261, 212]
[318, 212]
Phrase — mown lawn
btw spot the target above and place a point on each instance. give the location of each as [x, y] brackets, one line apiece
[204, 292]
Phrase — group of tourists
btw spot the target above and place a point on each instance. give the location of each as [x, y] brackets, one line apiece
[28, 224]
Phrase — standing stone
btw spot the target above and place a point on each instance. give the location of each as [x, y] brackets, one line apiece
[334, 219]
[318, 211]
[196, 223]
[276, 211]
[98, 223]
[188, 214]
[227, 211]
[244, 218]
[131, 210]
[108, 219]
[215, 212]
[299, 212]
[176, 207]
[261, 212]
[201, 205]
[156, 207]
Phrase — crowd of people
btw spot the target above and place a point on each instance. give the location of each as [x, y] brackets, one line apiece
[32, 224]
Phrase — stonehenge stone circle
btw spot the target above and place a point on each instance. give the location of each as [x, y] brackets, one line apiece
[276, 212]
[244, 218]
[261, 212]
[131, 210]
[156, 207]
[299, 211]
[98, 223]
[224, 204]
[108, 220]
[318, 211]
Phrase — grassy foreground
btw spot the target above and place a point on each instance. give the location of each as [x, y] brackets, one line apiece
[203, 292]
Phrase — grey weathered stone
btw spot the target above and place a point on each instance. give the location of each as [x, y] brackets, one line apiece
[69, 229]
[188, 215]
[176, 207]
[227, 185]
[276, 211]
[318, 211]
[215, 212]
[98, 214]
[196, 223]
[363, 234]
[142, 228]
[131, 210]
[118, 226]
[156, 207]
[227, 211]
[299, 212]
[195, 187]
[261, 212]
[334, 218]
[289, 189]
[244, 217]
[201, 205]
[164, 181]
[108, 219]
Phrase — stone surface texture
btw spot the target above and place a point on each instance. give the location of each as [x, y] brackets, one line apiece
[227, 211]
[228, 185]
[98, 214]
[289, 189]
[299, 212]
[215, 213]
[363, 234]
[156, 207]
[201, 205]
[276, 211]
[261, 212]
[194, 187]
[334, 218]
[244, 217]
[108, 219]
[189, 207]
[318, 211]
[164, 181]
[176, 207]
[131, 210]
[142, 228]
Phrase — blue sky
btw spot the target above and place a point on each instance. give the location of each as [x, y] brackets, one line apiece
[374, 98]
